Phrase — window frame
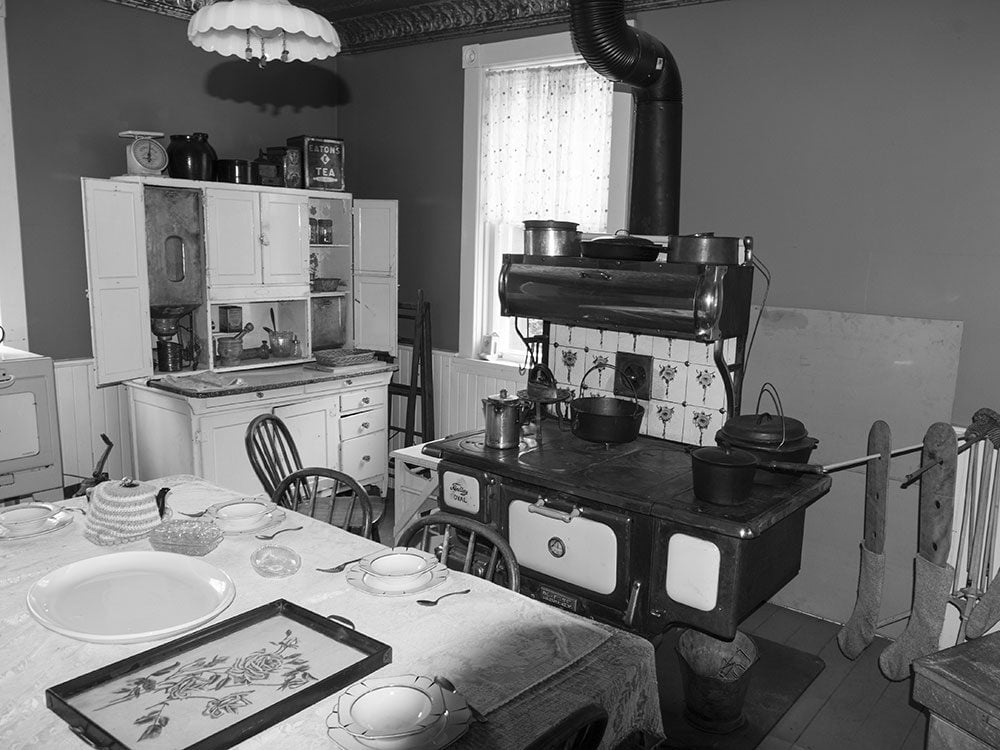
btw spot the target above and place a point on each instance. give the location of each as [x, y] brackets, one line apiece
[476, 59]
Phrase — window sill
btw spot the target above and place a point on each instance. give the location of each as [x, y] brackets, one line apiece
[500, 369]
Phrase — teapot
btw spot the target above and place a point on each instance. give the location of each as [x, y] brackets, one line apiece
[503, 415]
[124, 511]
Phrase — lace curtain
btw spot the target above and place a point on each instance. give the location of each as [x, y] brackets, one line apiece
[546, 140]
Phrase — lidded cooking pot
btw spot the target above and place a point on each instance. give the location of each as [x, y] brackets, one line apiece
[769, 437]
[503, 420]
[551, 238]
[124, 511]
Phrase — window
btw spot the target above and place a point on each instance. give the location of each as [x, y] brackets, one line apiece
[545, 138]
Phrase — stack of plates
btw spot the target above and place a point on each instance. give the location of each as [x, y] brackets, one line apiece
[397, 572]
[408, 712]
[31, 519]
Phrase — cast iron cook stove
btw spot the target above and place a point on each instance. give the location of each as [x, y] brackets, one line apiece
[614, 532]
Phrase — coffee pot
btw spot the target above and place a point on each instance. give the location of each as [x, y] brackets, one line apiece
[504, 417]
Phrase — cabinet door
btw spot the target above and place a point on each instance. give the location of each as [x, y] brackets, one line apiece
[284, 234]
[223, 451]
[115, 231]
[232, 223]
[376, 236]
[315, 430]
[375, 313]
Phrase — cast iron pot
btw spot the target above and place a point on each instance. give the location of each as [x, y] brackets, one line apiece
[722, 476]
[602, 419]
[769, 438]
[622, 246]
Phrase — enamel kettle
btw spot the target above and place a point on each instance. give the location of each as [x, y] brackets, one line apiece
[503, 420]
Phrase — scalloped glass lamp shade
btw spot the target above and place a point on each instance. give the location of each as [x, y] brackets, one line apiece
[263, 29]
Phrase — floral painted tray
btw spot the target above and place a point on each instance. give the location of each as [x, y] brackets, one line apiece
[218, 686]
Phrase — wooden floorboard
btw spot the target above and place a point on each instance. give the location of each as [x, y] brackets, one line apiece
[850, 704]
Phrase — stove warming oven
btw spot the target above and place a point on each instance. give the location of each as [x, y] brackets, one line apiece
[613, 532]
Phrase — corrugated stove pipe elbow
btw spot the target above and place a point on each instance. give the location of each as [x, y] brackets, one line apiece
[634, 58]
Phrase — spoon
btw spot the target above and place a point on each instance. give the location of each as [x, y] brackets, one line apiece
[199, 514]
[450, 687]
[339, 568]
[432, 602]
[279, 531]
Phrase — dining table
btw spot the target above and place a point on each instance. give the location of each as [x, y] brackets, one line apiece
[522, 663]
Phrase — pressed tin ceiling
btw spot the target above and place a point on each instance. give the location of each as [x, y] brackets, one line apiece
[368, 25]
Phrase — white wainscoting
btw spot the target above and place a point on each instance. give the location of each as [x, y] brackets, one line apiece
[460, 385]
[85, 411]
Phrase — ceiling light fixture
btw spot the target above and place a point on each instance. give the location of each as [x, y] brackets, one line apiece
[263, 29]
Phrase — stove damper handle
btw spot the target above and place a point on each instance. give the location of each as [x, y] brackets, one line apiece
[560, 515]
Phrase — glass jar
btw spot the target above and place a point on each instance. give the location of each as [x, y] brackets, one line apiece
[191, 157]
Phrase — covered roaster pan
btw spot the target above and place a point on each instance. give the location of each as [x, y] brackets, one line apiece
[622, 246]
[603, 419]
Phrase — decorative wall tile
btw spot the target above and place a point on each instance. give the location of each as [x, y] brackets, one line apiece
[666, 420]
[669, 380]
[700, 353]
[729, 350]
[602, 341]
[635, 343]
[701, 424]
[705, 387]
[675, 350]
[568, 365]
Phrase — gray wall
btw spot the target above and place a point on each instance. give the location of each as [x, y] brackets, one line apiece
[82, 71]
[855, 140]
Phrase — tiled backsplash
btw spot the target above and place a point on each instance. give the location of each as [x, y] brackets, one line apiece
[687, 400]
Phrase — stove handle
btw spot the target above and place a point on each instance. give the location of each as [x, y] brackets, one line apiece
[560, 515]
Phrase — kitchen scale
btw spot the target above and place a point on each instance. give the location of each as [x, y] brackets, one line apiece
[144, 155]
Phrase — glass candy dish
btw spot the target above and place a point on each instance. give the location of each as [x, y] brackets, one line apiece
[187, 537]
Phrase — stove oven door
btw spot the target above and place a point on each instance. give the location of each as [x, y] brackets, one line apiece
[572, 555]
[467, 492]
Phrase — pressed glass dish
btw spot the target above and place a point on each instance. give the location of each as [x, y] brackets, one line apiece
[274, 561]
[187, 537]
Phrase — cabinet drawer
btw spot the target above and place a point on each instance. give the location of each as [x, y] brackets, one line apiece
[362, 423]
[363, 399]
[364, 457]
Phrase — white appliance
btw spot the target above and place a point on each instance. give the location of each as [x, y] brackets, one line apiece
[30, 457]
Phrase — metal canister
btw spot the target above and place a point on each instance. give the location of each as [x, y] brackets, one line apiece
[503, 420]
[551, 238]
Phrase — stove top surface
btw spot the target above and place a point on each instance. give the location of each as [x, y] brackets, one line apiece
[646, 475]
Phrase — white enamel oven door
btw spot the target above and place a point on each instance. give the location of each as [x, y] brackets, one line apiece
[30, 459]
[575, 556]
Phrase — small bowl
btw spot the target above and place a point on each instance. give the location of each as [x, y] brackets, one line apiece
[26, 518]
[272, 561]
[241, 515]
[392, 711]
[186, 537]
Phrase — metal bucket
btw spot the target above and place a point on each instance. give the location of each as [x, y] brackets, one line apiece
[716, 675]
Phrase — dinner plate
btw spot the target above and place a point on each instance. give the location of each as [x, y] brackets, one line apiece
[53, 523]
[448, 728]
[130, 597]
[380, 587]
[398, 563]
[390, 707]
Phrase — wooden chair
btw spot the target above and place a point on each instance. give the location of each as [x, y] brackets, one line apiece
[273, 456]
[327, 495]
[466, 545]
[581, 730]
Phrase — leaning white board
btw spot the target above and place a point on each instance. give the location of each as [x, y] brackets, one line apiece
[837, 373]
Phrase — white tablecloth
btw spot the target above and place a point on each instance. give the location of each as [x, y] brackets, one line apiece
[522, 663]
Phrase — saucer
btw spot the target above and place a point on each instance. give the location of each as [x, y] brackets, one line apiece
[53, 523]
[274, 518]
[377, 586]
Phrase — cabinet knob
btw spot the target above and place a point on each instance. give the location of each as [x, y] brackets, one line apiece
[366, 401]
[365, 425]
[260, 394]
[366, 459]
